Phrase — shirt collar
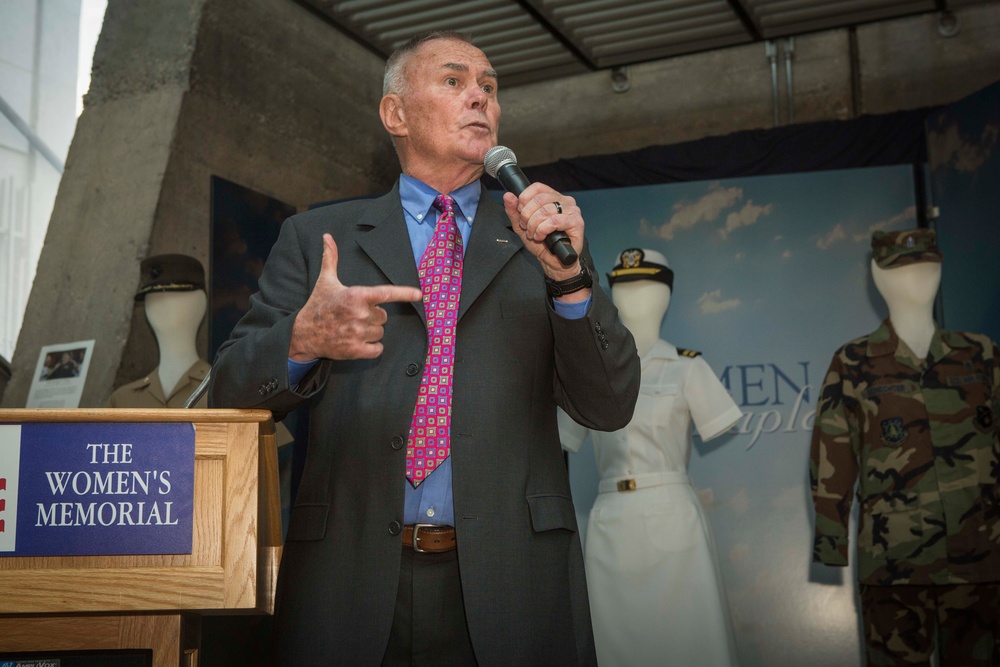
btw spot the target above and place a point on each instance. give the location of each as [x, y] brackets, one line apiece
[418, 199]
[885, 340]
[661, 350]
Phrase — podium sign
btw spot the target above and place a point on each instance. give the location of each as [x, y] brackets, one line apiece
[130, 597]
[91, 489]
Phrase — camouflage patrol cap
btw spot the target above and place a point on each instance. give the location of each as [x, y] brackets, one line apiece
[893, 249]
[638, 264]
[169, 273]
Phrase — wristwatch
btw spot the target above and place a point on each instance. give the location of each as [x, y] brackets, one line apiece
[584, 280]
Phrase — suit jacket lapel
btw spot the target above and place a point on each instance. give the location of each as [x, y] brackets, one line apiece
[387, 242]
[491, 245]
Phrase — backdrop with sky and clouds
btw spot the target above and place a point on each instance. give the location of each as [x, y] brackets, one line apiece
[771, 277]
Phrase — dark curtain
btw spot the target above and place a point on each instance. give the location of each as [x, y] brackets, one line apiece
[868, 141]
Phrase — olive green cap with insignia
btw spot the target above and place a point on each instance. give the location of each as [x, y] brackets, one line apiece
[894, 249]
[169, 273]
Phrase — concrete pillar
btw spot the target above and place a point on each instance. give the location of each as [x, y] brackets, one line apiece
[259, 92]
[107, 199]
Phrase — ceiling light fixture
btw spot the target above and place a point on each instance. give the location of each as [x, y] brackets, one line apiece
[620, 79]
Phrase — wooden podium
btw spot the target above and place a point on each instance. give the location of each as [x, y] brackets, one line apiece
[86, 603]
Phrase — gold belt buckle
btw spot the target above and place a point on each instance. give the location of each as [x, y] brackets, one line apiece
[626, 485]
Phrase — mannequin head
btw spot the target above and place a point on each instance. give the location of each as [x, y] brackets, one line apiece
[175, 314]
[172, 288]
[641, 286]
[175, 318]
[906, 269]
[641, 300]
[910, 286]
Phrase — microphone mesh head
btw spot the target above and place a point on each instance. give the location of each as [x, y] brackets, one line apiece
[497, 157]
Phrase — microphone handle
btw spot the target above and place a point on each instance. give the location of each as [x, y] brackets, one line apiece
[560, 246]
[514, 180]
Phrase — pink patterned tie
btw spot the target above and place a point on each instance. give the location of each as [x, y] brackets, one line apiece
[440, 271]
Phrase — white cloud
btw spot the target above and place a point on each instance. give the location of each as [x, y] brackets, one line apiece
[778, 237]
[786, 255]
[646, 229]
[739, 256]
[836, 234]
[688, 214]
[740, 502]
[739, 552]
[745, 217]
[789, 500]
[903, 220]
[711, 303]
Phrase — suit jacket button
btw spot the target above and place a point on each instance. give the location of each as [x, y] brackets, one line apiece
[412, 369]
[395, 528]
[604, 345]
[396, 442]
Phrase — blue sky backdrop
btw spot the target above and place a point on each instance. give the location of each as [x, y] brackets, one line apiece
[771, 277]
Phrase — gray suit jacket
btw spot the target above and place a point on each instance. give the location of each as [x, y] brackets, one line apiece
[519, 552]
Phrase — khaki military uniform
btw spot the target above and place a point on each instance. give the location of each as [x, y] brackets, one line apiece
[919, 440]
[147, 392]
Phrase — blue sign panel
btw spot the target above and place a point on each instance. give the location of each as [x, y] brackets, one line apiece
[96, 489]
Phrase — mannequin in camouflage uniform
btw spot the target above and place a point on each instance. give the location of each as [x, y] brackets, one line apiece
[907, 415]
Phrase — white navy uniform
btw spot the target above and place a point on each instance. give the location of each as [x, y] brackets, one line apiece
[656, 593]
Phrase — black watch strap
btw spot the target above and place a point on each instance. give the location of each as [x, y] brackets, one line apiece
[583, 280]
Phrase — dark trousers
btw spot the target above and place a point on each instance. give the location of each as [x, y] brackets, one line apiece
[904, 624]
[429, 627]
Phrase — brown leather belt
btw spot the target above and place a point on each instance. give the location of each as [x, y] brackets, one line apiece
[429, 538]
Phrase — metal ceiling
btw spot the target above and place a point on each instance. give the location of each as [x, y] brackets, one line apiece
[536, 40]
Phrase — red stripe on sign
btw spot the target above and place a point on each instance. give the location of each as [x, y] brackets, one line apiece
[3, 504]
[1, 525]
[3, 483]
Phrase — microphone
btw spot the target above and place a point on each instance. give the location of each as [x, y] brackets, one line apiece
[501, 164]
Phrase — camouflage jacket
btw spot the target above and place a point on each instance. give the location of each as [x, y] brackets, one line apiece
[919, 441]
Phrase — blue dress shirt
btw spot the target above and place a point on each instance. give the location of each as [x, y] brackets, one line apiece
[431, 502]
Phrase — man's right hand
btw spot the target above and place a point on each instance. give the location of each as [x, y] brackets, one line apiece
[341, 322]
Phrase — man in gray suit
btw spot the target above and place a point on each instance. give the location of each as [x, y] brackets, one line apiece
[475, 559]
